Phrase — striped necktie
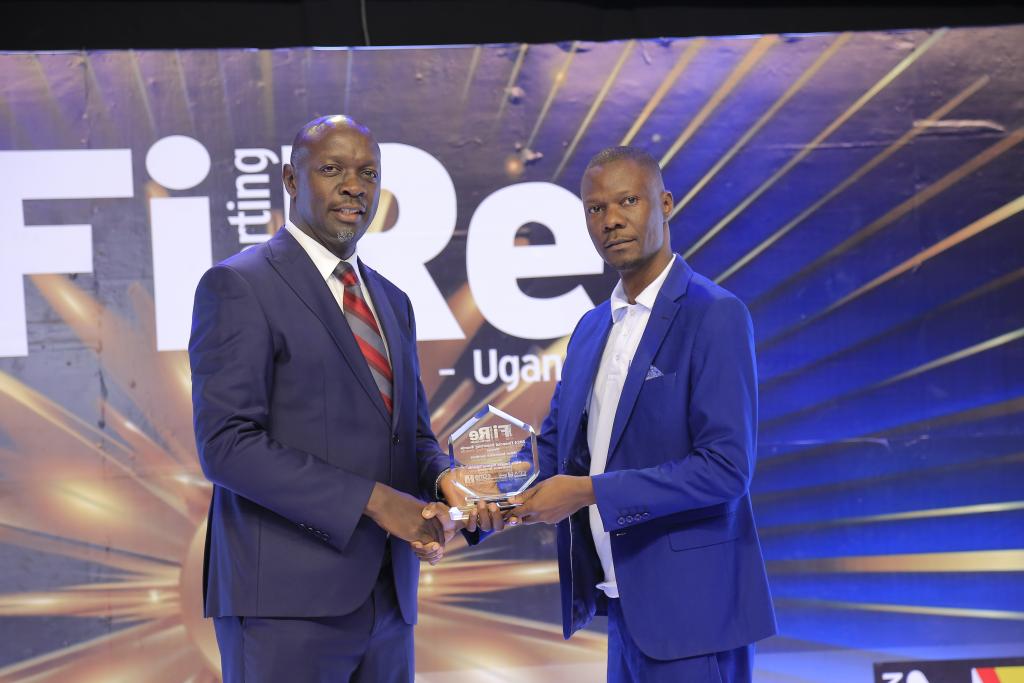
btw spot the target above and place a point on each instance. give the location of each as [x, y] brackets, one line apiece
[367, 334]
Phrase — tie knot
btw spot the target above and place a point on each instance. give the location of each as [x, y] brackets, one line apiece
[346, 273]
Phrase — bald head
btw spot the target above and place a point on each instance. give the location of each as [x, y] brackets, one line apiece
[638, 156]
[315, 130]
[334, 182]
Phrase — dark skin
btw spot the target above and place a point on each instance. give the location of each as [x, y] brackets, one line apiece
[334, 185]
[627, 209]
[334, 182]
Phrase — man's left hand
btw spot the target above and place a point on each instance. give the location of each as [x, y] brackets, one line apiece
[485, 516]
[552, 500]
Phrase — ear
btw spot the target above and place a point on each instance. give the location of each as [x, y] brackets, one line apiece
[667, 204]
[288, 175]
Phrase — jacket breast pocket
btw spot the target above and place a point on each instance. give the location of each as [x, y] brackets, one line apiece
[664, 381]
[704, 532]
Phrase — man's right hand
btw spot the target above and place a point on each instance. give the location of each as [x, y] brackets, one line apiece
[401, 515]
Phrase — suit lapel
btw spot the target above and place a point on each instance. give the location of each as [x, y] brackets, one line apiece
[393, 336]
[292, 263]
[589, 348]
[666, 307]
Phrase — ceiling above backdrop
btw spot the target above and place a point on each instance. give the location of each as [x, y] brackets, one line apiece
[78, 24]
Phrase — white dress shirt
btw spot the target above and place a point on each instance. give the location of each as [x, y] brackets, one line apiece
[325, 263]
[628, 324]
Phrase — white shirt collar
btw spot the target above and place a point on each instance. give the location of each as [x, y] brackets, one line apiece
[645, 298]
[321, 256]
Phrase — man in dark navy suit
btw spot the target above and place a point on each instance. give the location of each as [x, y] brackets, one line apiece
[313, 426]
[648, 451]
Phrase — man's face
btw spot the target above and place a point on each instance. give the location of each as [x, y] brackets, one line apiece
[335, 184]
[626, 208]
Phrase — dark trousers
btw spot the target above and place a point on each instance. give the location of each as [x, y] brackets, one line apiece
[627, 664]
[373, 644]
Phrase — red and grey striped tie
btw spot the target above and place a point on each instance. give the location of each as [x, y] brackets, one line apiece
[366, 332]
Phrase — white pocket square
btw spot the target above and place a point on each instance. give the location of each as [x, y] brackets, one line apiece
[653, 373]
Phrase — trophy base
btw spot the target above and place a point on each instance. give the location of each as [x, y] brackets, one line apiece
[461, 512]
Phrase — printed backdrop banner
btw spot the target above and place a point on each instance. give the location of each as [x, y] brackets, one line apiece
[862, 192]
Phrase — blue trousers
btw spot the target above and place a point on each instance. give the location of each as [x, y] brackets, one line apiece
[373, 644]
[627, 664]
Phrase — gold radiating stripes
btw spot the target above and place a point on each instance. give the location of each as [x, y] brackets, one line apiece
[556, 85]
[512, 78]
[52, 103]
[1008, 210]
[266, 87]
[897, 212]
[854, 177]
[474, 61]
[980, 347]
[931, 513]
[872, 482]
[881, 438]
[975, 349]
[140, 84]
[986, 412]
[818, 139]
[957, 561]
[749, 61]
[666, 84]
[987, 288]
[797, 85]
[922, 610]
[598, 101]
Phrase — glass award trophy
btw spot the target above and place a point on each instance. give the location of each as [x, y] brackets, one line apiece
[493, 457]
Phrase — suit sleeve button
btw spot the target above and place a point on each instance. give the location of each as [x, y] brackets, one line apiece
[621, 520]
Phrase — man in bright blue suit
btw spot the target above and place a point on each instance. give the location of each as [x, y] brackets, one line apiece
[313, 426]
[648, 451]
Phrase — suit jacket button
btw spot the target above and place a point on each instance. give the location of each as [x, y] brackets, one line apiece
[394, 439]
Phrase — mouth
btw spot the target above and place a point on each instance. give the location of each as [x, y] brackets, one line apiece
[611, 244]
[348, 214]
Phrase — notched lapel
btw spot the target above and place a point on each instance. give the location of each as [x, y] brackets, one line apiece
[589, 348]
[293, 264]
[666, 309]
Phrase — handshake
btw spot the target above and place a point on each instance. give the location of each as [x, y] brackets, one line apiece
[428, 528]
[494, 457]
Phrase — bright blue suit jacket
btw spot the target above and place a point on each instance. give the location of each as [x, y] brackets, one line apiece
[292, 432]
[674, 496]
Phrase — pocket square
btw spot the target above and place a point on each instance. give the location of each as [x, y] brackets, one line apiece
[653, 373]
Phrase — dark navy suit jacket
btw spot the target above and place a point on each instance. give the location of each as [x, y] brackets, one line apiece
[674, 496]
[292, 432]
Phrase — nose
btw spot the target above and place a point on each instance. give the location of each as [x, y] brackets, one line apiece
[351, 185]
[612, 220]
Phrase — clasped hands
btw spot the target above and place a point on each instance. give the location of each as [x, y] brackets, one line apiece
[548, 502]
[483, 517]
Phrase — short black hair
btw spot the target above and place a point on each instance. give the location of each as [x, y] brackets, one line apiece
[637, 155]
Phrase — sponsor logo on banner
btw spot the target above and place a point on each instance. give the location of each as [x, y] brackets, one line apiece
[952, 671]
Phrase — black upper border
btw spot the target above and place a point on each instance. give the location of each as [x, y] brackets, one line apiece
[156, 24]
